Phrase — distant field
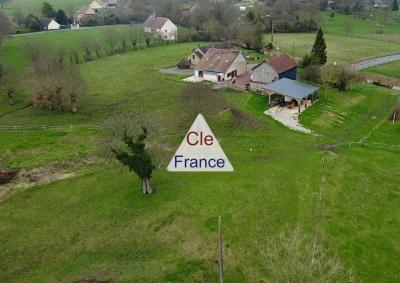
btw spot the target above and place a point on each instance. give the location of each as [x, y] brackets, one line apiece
[390, 70]
[364, 39]
[340, 47]
[34, 6]
[13, 48]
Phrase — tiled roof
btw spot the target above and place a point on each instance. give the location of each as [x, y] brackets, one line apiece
[155, 22]
[281, 63]
[217, 60]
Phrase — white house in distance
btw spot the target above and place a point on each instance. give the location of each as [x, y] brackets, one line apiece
[219, 65]
[161, 26]
[97, 5]
[50, 24]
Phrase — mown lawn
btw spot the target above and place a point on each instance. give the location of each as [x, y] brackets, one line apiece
[99, 225]
[34, 6]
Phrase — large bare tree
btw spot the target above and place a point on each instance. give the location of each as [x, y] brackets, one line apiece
[54, 84]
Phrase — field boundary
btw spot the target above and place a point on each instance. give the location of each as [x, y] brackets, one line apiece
[372, 62]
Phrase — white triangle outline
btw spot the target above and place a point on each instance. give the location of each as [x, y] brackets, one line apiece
[213, 151]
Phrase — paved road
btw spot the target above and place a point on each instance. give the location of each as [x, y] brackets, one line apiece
[376, 61]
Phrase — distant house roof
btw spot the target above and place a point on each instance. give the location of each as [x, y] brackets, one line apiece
[155, 22]
[217, 60]
[100, 2]
[225, 45]
[291, 88]
[280, 63]
[47, 21]
[86, 11]
[111, 2]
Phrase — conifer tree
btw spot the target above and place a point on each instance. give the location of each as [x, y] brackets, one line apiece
[395, 5]
[136, 158]
[318, 52]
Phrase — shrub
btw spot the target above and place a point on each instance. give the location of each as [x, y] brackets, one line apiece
[311, 73]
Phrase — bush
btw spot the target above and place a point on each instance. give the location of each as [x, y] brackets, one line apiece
[339, 76]
[311, 73]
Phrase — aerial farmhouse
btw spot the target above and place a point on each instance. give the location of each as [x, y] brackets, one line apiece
[162, 27]
[198, 52]
[219, 65]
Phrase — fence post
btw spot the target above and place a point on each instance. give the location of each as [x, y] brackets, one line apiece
[221, 260]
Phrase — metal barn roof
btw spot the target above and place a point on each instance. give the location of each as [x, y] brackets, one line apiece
[291, 88]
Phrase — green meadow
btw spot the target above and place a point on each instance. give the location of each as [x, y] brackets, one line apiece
[364, 39]
[34, 6]
[98, 225]
[389, 70]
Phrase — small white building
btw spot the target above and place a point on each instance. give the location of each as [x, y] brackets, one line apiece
[50, 24]
[219, 65]
[161, 26]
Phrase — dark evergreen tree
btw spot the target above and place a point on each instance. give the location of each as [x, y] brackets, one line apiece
[48, 11]
[61, 17]
[324, 5]
[318, 52]
[395, 6]
[136, 158]
[32, 23]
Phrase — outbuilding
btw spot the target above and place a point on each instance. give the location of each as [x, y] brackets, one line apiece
[275, 68]
[50, 24]
[292, 92]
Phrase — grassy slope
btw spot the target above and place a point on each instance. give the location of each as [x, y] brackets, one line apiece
[100, 226]
[342, 46]
[34, 6]
[13, 48]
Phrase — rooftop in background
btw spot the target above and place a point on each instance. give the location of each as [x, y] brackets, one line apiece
[155, 22]
[217, 60]
[280, 63]
[291, 88]
[224, 45]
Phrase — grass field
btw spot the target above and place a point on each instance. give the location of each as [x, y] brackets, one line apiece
[390, 69]
[34, 6]
[99, 225]
[364, 40]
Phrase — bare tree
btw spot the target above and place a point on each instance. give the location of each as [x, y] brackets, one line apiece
[33, 48]
[90, 46]
[293, 257]
[9, 79]
[6, 26]
[53, 83]
[111, 37]
[18, 17]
